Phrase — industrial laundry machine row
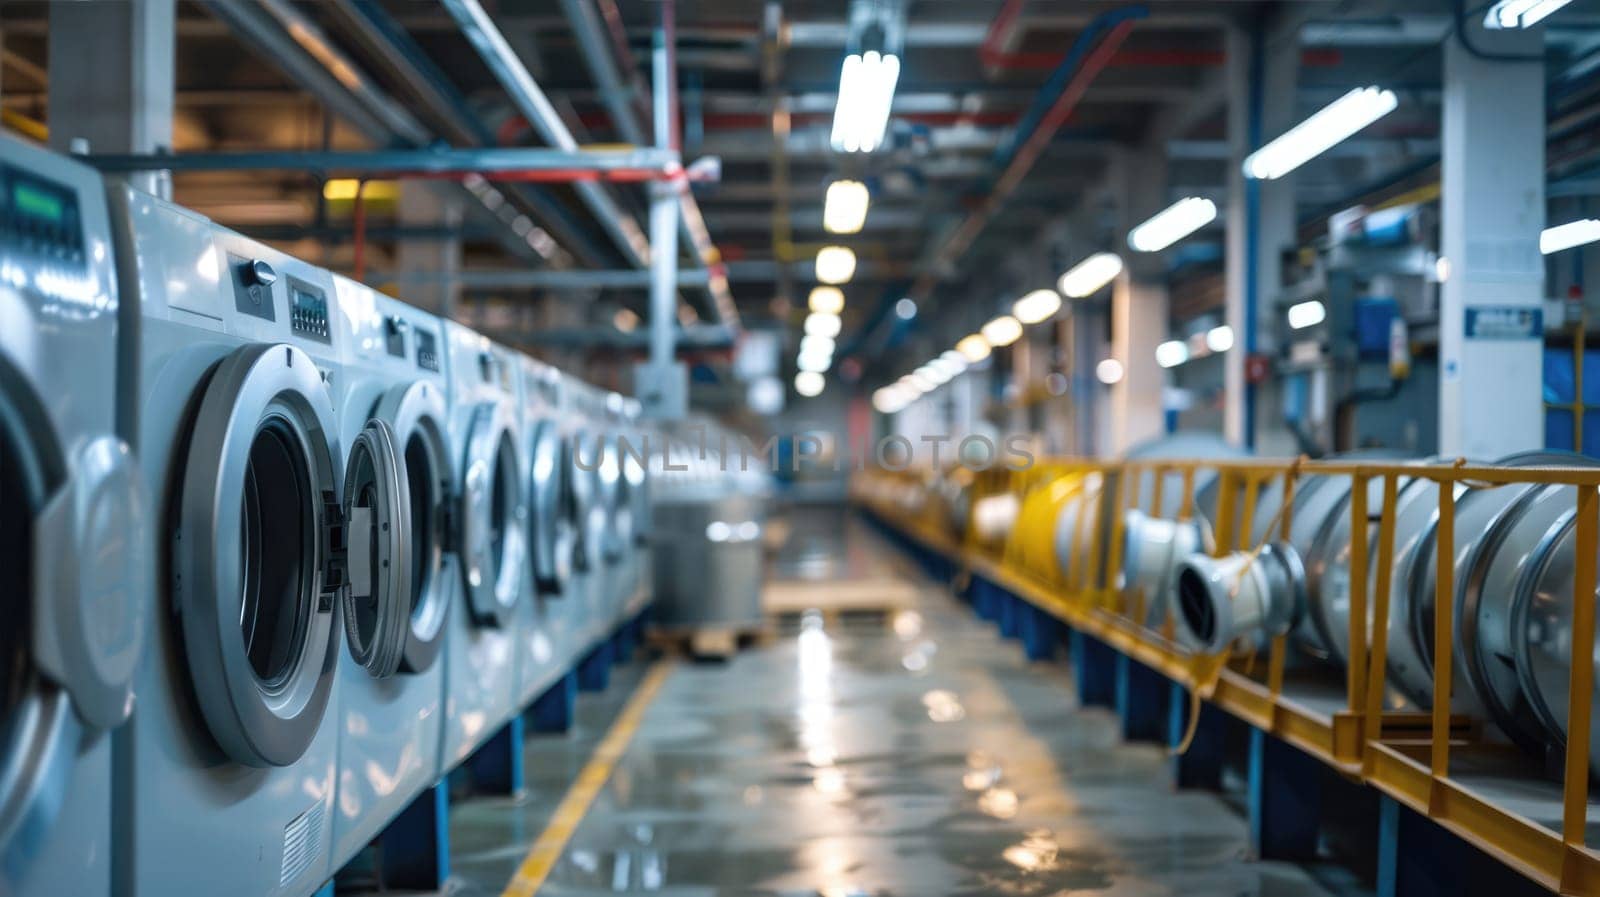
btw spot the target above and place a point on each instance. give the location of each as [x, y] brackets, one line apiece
[277, 552]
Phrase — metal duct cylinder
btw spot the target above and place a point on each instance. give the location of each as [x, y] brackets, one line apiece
[993, 517]
[1153, 550]
[1241, 594]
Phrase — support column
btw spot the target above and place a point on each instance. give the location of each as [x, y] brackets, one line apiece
[1492, 208]
[1263, 68]
[421, 205]
[662, 384]
[111, 79]
[1139, 308]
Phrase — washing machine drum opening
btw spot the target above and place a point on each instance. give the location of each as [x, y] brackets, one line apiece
[494, 529]
[276, 536]
[16, 557]
[555, 513]
[427, 599]
[258, 554]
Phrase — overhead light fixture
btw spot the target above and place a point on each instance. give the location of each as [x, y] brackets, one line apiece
[1306, 314]
[844, 207]
[816, 344]
[905, 309]
[1172, 353]
[1036, 306]
[1327, 127]
[919, 382]
[953, 362]
[1002, 331]
[889, 400]
[1520, 13]
[934, 373]
[973, 347]
[1089, 275]
[625, 320]
[1172, 224]
[809, 383]
[1566, 236]
[1108, 371]
[826, 300]
[835, 264]
[866, 91]
[1219, 338]
[822, 325]
[810, 361]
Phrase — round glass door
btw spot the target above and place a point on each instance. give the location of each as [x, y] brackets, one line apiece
[415, 414]
[377, 509]
[555, 519]
[257, 556]
[494, 519]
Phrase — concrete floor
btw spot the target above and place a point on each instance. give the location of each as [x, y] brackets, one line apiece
[920, 758]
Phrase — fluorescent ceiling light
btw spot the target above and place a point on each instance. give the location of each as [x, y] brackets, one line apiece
[822, 325]
[1172, 353]
[1329, 126]
[866, 91]
[906, 308]
[1002, 331]
[889, 399]
[835, 264]
[1036, 306]
[1520, 13]
[1220, 338]
[809, 383]
[826, 300]
[953, 362]
[1172, 224]
[816, 344]
[1108, 371]
[1307, 314]
[811, 361]
[844, 210]
[934, 374]
[1566, 236]
[973, 347]
[1089, 275]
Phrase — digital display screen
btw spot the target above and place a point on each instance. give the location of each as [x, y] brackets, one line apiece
[36, 202]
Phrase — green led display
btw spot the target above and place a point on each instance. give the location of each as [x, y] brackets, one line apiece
[36, 203]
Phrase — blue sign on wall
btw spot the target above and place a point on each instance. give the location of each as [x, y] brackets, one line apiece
[1504, 322]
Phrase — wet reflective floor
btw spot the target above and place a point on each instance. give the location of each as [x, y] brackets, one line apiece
[920, 757]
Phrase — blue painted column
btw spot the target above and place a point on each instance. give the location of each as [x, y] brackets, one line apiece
[594, 671]
[553, 711]
[1041, 632]
[1201, 765]
[414, 850]
[1010, 613]
[1141, 700]
[496, 767]
[1094, 670]
[985, 599]
[1285, 799]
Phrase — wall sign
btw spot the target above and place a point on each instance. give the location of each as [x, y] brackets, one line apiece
[1504, 322]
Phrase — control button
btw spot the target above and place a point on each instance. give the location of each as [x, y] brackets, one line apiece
[259, 271]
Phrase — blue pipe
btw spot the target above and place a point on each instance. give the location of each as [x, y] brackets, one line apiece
[1061, 76]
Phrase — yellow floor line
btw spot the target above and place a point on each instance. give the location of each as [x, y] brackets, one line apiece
[550, 844]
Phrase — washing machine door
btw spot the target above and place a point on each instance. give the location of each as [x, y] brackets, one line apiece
[554, 512]
[416, 415]
[378, 525]
[258, 554]
[637, 478]
[616, 534]
[586, 503]
[75, 585]
[493, 517]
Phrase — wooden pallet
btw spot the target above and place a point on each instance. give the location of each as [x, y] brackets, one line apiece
[708, 643]
[875, 599]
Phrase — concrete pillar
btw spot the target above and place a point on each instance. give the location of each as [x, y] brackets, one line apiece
[1138, 307]
[1492, 210]
[111, 78]
[424, 205]
[1262, 72]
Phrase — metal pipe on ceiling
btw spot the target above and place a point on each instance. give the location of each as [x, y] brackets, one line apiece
[618, 96]
[545, 278]
[531, 101]
[488, 163]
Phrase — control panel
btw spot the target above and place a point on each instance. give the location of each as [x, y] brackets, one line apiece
[308, 311]
[40, 218]
[427, 350]
[394, 335]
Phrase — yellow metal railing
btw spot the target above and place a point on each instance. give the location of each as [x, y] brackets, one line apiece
[1406, 754]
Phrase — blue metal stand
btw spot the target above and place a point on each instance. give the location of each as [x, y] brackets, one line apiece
[414, 851]
[553, 711]
[325, 891]
[1010, 613]
[496, 767]
[1141, 700]
[985, 599]
[1201, 765]
[1041, 632]
[1285, 799]
[623, 643]
[1093, 669]
[594, 671]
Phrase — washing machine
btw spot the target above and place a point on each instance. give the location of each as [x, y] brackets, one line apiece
[548, 630]
[622, 463]
[225, 775]
[491, 512]
[593, 465]
[390, 684]
[74, 524]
